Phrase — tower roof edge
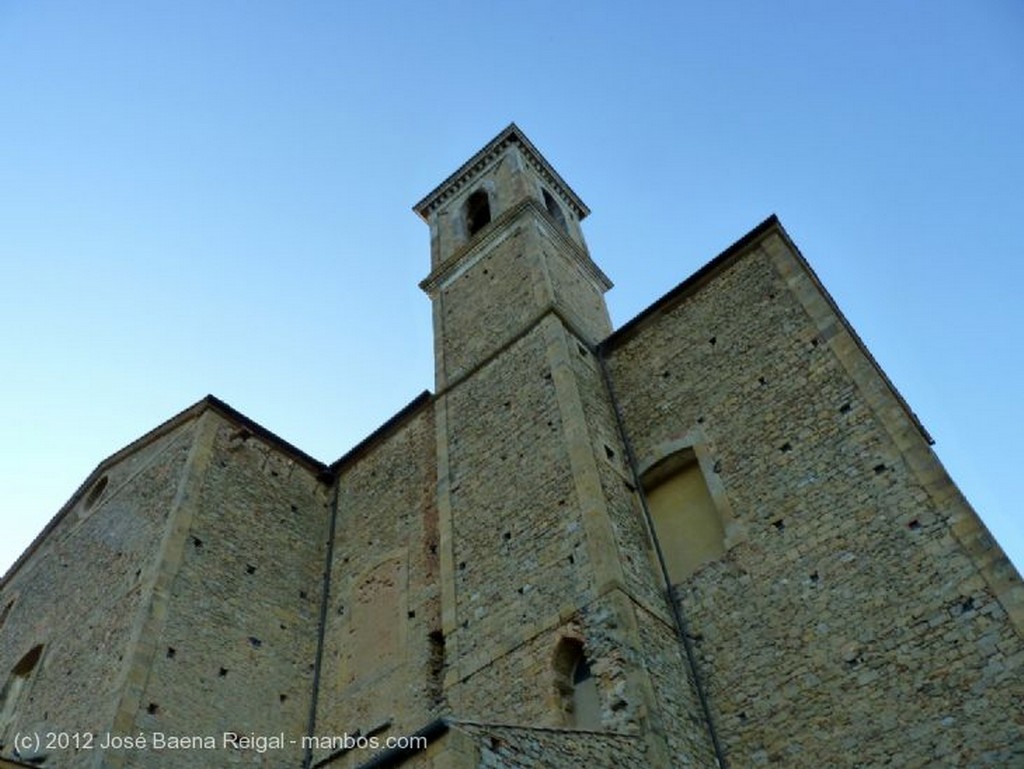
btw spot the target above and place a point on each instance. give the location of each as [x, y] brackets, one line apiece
[469, 170]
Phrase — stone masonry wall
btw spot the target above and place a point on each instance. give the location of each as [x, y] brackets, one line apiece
[573, 292]
[678, 711]
[525, 530]
[634, 545]
[383, 647]
[504, 182]
[79, 593]
[472, 329]
[519, 554]
[510, 747]
[846, 625]
[240, 602]
[519, 686]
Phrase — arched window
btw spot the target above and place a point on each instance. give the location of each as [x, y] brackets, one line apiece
[555, 210]
[478, 211]
[576, 687]
[686, 521]
[96, 492]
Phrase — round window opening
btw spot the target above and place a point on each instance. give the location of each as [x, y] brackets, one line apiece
[96, 492]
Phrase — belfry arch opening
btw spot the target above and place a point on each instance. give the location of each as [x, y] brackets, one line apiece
[478, 211]
[555, 210]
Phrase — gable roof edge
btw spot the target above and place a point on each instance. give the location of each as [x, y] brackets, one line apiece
[209, 402]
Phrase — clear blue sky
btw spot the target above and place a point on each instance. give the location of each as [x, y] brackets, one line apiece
[215, 197]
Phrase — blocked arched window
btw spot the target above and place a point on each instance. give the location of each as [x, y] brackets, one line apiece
[478, 211]
[575, 686]
[686, 521]
[15, 685]
[555, 210]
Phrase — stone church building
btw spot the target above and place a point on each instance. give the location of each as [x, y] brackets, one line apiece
[716, 536]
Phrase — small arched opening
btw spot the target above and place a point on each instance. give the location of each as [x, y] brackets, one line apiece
[478, 211]
[575, 686]
[555, 210]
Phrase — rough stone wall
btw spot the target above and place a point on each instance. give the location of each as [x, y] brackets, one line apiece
[476, 745]
[676, 707]
[543, 551]
[519, 685]
[846, 625]
[383, 648]
[79, 594]
[511, 747]
[472, 329]
[237, 608]
[675, 711]
[641, 577]
[517, 538]
[573, 292]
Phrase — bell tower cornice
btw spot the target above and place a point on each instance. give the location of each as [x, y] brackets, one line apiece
[464, 258]
[473, 168]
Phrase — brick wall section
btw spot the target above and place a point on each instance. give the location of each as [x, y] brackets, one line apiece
[386, 530]
[236, 648]
[80, 592]
[846, 625]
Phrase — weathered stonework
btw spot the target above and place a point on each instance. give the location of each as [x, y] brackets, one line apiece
[485, 573]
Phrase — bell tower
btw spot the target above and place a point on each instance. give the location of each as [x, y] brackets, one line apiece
[506, 248]
[550, 605]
